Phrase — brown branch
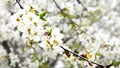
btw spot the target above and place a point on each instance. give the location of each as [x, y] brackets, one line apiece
[79, 2]
[63, 13]
[57, 5]
[18, 1]
[89, 61]
[75, 54]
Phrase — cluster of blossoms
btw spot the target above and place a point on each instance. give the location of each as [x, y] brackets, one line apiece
[34, 29]
[60, 34]
[27, 21]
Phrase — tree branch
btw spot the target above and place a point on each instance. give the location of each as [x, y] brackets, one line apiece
[89, 61]
[18, 1]
[57, 5]
[79, 2]
[75, 54]
[63, 13]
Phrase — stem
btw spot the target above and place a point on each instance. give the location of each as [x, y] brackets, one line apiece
[72, 22]
[57, 5]
[18, 1]
[79, 2]
[63, 13]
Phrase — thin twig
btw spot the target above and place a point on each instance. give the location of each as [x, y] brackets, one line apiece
[18, 1]
[75, 54]
[63, 13]
[79, 2]
[57, 5]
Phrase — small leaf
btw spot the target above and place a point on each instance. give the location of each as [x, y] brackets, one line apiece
[99, 54]
[72, 16]
[72, 26]
[50, 31]
[40, 59]
[65, 10]
[116, 63]
[43, 19]
[42, 16]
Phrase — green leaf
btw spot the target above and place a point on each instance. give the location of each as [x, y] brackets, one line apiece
[99, 54]
[44, 65]
[72, 26]
[76, 45]
[40, 59]
[65, 10]
[72, 16]
[34, 56]
[50, 31]
[42, 15]
[94, 15]
[43, 19]
[116, 63]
